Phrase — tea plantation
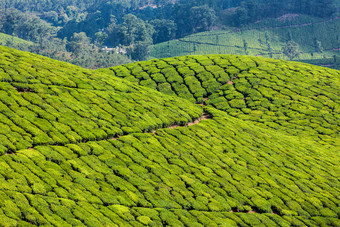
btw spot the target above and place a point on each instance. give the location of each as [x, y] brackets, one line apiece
[13, 41]
[294, 98]
[265, 38]
[130, 146]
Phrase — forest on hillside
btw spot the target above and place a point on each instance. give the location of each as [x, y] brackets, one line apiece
[77, 30]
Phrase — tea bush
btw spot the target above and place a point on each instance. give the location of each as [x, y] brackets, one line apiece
[87, 148]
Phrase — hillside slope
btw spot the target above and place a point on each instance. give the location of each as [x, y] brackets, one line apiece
[86, 148]
[295, 98]
[50, 102]
[4, 39]
[264, 38]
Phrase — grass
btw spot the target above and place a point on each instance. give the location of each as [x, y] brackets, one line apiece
[264, 38]
[88, 148]
[14, 41]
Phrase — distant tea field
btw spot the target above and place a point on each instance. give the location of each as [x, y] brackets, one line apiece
[7, 39]
[318, 40]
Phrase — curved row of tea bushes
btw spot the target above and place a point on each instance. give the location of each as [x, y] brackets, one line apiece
[100, 152]
[221, 171]
[44, 105]
[293, 97]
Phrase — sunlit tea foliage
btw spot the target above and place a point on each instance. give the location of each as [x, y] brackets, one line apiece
[214, 140]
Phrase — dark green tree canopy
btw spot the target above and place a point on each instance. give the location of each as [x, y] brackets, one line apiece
[25, 25]
[202, 18]
[164, 30]
[291, 50]
[79, 43]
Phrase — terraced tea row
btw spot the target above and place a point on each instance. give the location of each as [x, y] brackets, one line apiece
[293, 97]
[89, 149]
[266, 38]
[44, 105]
[197, 174]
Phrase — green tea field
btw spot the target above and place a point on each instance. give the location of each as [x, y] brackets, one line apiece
[265, 38]
[214, 140]
[14, 41]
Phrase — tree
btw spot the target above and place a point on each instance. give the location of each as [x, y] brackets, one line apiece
[10, 21]
[248, 11]
[132, 30]
[101, 37]
[270, 50]
[322, 8]
[291, 50]
[318, 46]
[289, 36]
[202, 18]
[139, 50]
[241, 16]
[164, 30]
[245, 46]
[193, 17]
[51, 16]
[79, 43]
[26, 26]
[134, 33]
[72, 12]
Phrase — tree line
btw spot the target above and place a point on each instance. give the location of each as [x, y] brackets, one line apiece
[134, 25]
